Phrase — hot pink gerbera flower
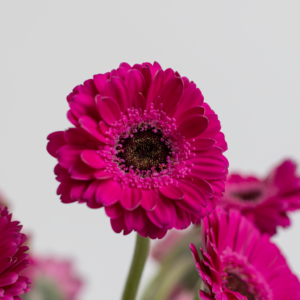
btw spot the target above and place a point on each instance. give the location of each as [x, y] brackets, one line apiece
[12, 258]
[238, 262]
[53, 279]
[145, 146]
[266, 201]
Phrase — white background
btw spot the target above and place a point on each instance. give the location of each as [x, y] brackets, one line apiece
[244, 56]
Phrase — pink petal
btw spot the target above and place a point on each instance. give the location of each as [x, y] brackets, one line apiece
[193, 126]
[62, 174]
[90, 126]
[164, 214]
[72, 118]
[8, 278]
[86, 104]
[121, 73]
[171, 191]
[56, 140]
[220, 138]
[92, 159]
[169, 73]
[204, 143]
[108, 109]
[104, 127]
[155, 87]
[140, 101]
[191, 97]
[209, 167]
[91, 190]
[135, 219]
[67, 155]
[102, 174]
[194, 201]
[171, 93]
[149, 199]
[154, 68]
[210, 161]
[118, 224]
[114, 211]
[136, 84]
[148, 77]
[77, 136]
[8, 249]
[77, 191]
[117, 89]
[214, 126]
[183, 219]
[131, 198]
[212, 151]
[109, 192]
[218, 187]
[202, 184]
[100, 81]
[81, 171]
[125, 65]
[196, 110]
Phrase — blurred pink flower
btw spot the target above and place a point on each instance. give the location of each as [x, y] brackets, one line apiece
[162, 248]
[184, 296]
[54, 277]
[12, 258]
[145, 146]
[266, 201]
[240, 263]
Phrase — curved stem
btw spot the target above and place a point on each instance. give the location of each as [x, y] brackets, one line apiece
[137, 267]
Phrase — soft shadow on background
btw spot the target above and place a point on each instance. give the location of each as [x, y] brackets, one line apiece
[244, 56]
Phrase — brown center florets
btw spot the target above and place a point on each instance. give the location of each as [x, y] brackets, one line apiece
[144, 151]
[234, 283]
[248, 195]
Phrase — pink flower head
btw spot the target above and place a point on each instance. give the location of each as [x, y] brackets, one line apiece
[145, 146]
[54, 277]
[12, 258]
[240, 263]
[265, 202]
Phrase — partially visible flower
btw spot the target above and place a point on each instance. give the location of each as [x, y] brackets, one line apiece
[145, 146]
[240, 263]
[13, 258]
[265, 202]
[53, 279]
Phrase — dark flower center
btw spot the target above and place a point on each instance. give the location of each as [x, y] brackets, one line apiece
[234, 283]
[248, 195]
[145, 151]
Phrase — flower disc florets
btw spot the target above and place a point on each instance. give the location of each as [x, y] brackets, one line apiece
[240, 263]
[145, 146]
[148, 151]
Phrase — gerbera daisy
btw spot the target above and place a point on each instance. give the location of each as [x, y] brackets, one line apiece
[238, 262]
[52, 279]
[145, 146]
[265, 201]
[13, 258]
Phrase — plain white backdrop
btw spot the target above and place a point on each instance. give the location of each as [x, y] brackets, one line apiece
[244, 56]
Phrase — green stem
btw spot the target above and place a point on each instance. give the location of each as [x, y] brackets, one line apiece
[137, 267]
